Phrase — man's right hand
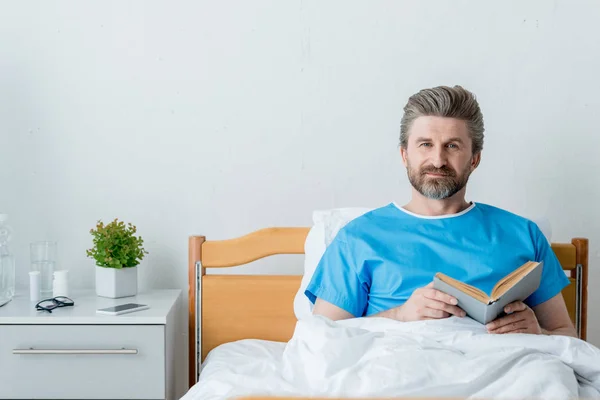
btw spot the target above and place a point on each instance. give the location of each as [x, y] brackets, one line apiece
[428, 303]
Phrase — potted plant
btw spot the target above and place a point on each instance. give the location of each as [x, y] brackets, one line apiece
[117, 252]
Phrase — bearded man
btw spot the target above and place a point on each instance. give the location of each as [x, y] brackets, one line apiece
[382, 264]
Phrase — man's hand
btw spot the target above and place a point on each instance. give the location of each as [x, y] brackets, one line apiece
[427, 303]
[521, 319]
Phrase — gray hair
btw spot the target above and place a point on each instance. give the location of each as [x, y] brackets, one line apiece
[443, 101]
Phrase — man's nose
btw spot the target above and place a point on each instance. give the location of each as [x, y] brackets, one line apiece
[438, 158]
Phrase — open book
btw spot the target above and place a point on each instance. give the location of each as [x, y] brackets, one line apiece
[518, 285]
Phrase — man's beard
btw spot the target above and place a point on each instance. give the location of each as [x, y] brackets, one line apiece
[437, 187]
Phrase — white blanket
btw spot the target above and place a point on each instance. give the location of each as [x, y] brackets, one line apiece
[378, 357]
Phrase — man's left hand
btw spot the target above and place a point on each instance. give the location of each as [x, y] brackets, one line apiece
[520, 319]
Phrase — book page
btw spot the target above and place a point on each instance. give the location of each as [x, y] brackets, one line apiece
[465, 288]
[512, 279]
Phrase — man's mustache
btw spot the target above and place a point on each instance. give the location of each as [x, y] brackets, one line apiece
[438, 171]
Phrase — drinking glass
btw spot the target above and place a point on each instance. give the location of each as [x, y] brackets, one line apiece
[43, 259]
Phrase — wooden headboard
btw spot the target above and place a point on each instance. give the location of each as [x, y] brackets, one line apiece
[234, 307]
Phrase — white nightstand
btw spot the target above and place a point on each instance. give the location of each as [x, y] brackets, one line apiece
[75, 353]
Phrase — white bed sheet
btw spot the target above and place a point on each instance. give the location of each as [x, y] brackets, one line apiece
[378, 357]
[246, 367]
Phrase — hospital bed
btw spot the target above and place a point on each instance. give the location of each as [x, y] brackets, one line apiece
[225, 308]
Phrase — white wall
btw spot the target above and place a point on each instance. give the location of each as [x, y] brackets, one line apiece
[224, 117]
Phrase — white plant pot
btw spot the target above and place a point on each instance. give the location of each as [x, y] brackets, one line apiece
[115, 283]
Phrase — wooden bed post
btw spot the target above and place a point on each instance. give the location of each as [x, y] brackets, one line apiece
[194, 255]
[581, 246]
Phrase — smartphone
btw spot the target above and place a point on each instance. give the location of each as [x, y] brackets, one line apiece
[122, 309]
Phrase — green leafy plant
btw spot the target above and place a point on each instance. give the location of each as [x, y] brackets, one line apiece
[116, 246]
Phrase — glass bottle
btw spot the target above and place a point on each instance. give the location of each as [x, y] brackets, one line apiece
[7, 263]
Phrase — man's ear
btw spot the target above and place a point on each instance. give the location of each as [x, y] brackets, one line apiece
[475, 160]
[404, 156]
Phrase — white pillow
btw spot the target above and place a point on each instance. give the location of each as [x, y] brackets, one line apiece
[314, 247]
[326, 224]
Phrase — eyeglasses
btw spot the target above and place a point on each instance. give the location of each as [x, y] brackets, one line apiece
[51, 304]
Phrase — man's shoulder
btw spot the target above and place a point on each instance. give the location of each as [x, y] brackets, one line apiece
[497, 212]
[509, 219]
[368, 221]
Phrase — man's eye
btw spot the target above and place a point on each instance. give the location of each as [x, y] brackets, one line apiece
[425, 144]
[453, 146]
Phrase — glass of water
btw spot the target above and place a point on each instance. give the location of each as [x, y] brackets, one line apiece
[43, 259]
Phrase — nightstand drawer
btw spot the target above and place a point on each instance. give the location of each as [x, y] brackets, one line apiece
[82, 361]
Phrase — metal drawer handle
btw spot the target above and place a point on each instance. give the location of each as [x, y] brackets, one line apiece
[52, 351]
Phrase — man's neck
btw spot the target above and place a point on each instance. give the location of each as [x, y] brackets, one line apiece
[422, 205]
